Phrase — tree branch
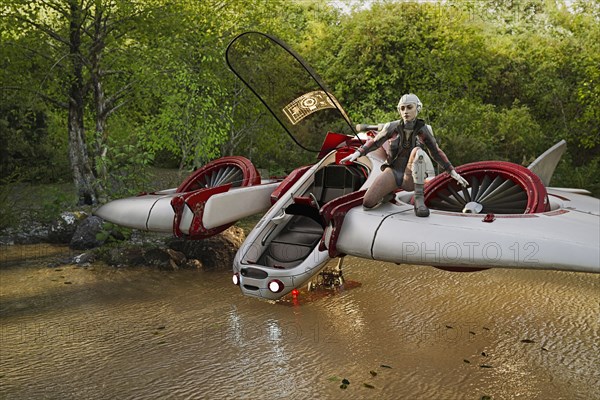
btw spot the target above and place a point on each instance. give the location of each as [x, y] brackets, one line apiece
[44, 29]
[44, 96]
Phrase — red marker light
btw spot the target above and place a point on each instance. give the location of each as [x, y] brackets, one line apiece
[295, 292]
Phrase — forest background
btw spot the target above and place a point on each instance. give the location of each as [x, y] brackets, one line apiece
[98, 92]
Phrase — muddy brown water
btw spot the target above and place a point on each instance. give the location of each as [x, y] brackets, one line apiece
[406, 332]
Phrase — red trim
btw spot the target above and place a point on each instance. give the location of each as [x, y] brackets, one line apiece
[331, 142]
[305, 200]
[195, 198]
[288, 182]
[537, 197]
[489, 218]
[177, 203]
[343, 152]
[333, 213]
[196, 201]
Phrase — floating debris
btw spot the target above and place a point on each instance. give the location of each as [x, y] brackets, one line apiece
[385, 366]
[449, 327]
[466, 361]
[373, 373]
[483, 353]
[333, 378]
[68, 283]
[368, 386]
[485, 366]
[343, 386]
[527, 341]
[544, 349]
[345, 381]
[487, 329]
[161, 327]
[486, 397]
[472, 333]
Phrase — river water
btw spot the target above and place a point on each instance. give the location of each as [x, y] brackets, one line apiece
[405, 332]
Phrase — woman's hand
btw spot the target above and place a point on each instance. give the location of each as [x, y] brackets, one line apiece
[461, 181]
[351, 158]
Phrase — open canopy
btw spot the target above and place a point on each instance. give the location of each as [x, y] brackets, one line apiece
[291, 90]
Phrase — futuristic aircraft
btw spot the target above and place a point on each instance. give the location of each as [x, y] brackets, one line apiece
[507, 217]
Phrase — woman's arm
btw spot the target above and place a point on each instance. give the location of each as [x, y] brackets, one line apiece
[426, 137]
[374, 143]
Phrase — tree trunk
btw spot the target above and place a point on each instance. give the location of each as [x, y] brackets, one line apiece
[101, 136]
[83, 177]
[100, 102]
[78, 156]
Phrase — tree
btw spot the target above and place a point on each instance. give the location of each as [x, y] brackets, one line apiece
[75, 36]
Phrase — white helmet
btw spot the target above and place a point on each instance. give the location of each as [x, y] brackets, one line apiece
[410, 98]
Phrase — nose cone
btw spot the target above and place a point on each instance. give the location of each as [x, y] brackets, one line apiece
[150, 212]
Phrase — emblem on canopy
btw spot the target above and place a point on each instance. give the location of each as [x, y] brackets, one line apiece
[307, 104]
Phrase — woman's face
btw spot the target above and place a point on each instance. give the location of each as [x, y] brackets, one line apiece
[408, 111]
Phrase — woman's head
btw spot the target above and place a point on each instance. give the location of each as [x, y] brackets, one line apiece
[409, 106]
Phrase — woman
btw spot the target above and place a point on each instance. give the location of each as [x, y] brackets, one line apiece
[405, 165]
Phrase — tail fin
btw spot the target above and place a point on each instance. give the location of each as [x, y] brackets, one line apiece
[544, 165]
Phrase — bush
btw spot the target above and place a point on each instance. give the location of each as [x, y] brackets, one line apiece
[471, 132]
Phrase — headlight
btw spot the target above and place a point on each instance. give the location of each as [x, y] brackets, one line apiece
[275, 286]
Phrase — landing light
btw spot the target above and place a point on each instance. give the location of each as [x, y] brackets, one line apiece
[236, 279]
[275, 286]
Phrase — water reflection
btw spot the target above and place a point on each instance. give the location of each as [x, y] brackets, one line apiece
[407, 332]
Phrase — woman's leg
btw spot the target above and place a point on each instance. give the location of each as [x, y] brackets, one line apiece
[408, 182]
[418, 167]
[383, 184]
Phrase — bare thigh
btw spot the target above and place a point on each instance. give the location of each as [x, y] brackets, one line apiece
[383, 184]
[408, 183]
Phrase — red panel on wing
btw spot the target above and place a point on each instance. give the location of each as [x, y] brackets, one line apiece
[288, 182]
[331, 142]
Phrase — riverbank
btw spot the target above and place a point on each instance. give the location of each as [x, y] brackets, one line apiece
[38, 216]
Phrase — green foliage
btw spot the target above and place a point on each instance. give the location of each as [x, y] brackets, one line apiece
[25, 139]
[55, 201]
[186, 124]
[111, 233]
[129, 165]
[472, 132]
[8, 216]
[21, 202]
[499, 80]
[583, 176]
[379, 53]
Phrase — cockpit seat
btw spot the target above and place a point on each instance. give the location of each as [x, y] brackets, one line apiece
[303, 232]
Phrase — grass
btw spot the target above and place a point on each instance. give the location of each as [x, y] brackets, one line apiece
[22, 202]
